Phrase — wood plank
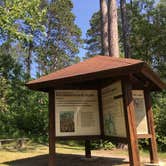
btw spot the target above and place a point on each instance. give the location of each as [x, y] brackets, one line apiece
[51, 161]
[91, 137]
[153, 77]
[87, 149]
[130, 123]
[150, 119]
[141, 136]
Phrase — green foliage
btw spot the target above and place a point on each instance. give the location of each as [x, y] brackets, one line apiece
[160, 118]
[32, 36]
[11, 12]
[106, 145]
[3, 94]
[62, 41]
[23, 112]
[93, 36]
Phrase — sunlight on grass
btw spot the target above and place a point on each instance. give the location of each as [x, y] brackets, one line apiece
[67, 149]
[9, 152]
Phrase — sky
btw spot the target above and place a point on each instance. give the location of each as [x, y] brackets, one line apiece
[83, 10]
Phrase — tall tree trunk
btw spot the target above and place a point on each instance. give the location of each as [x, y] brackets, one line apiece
[113, 29]
[125, 29]
[104, 26]
[29, 60]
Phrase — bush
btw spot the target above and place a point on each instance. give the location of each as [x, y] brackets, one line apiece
[106, 145]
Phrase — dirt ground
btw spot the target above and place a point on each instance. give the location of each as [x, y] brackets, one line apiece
[66, 156]
[69, 160]
[72, 160]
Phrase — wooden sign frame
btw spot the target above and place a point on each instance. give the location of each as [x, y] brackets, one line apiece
[132, 136]
[94, 74]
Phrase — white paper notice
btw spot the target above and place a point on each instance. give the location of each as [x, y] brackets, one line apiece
[113, 112]
[140, 111]
[77, 113]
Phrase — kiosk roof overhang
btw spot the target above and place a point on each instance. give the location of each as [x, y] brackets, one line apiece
[98, 67]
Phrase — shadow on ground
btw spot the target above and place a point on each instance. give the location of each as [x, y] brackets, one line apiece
[68, 160]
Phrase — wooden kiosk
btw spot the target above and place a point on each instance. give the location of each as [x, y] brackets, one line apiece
[99, 98]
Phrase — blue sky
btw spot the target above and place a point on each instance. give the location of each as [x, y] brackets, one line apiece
[83, 10]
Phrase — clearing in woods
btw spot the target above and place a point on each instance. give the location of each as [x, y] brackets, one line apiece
[36, 155]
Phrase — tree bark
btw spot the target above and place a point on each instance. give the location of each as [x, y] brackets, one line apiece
[104, 27]
[113, 29]
[125, 29]
[29, 60]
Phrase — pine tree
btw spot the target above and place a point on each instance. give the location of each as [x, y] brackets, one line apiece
[60, 46]
[125, 29]
[113, 29]
[104, 26]
[93, 36]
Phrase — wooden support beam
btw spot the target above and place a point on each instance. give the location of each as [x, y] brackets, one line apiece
[51, 161]
[87, 149]
[150, 120]
[130, 123]
[141, 136]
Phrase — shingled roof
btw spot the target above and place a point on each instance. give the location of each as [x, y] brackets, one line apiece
[96, 67]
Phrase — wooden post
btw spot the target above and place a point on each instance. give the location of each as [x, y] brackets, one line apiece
[51, 161]
[150, 121]
[130, 123]
[87, 149]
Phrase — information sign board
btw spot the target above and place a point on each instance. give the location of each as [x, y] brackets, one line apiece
[77, 113]
[140, 112]
[113, 111]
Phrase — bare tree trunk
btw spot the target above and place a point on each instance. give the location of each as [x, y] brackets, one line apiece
[104, 26]
[29, 60]
[125, 29]
[113, 29]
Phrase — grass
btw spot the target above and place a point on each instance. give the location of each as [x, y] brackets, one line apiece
[161, 155]
[9, 152]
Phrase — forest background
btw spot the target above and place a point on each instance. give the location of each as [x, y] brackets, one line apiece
[40, 36]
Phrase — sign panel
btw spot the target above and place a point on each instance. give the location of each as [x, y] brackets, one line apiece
[77, 113]
[140, 112]
[113, 112]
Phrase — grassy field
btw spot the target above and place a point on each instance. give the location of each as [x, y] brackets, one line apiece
[9, 153]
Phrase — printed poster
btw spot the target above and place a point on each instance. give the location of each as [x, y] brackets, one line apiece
[67, 123]
[113, 112]
[140, 112]
[77, 113]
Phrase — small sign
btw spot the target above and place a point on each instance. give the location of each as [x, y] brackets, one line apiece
[77, 113]
[140, 112]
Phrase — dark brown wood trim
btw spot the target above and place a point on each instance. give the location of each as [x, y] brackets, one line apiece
[141, 136]
[130, 122]
[153, 77]
[150, 120]
[88, 137]
[94, 137]
[51, 161]
[87, 149]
